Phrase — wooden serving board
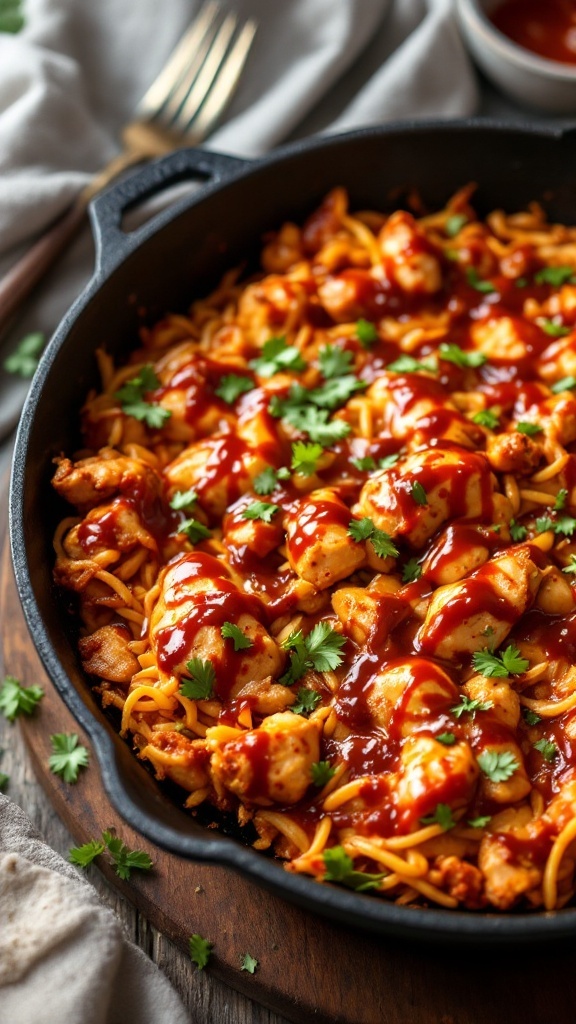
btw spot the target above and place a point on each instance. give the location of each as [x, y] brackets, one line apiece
[310, 970]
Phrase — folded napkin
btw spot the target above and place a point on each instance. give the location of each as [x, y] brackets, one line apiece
[68, 82]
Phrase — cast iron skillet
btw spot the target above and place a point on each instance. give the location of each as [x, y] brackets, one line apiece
[162, 266]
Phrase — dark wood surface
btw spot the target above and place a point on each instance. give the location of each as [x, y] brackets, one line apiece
[309, 969]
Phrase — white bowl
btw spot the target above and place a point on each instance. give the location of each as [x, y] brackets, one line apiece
[532, 80]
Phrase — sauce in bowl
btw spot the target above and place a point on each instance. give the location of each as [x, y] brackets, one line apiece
[546, 27]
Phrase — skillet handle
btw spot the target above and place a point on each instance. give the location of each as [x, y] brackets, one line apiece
[108, 208]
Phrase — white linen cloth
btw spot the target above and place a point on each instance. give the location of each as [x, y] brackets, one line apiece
[68, 82]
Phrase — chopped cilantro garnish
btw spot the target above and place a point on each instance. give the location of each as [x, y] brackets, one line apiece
[547, 748]
[248, 963]
[553, 328]
[26, 356]
[4, 780]
[544, 523]
[561, 498]
[125, 860]
[555, 276]
[82, 856]
[530, 717]
[411, 571]
[68, 756]
[267, 480]
[320, 650]
[477, 282]
[517, 531]
[364, 529]
[16, 699]
[200, 950]
[276, 356]
[447, 738]
[298, 410]
[407, 364]
[305, 456]
[454, 354]
[528, 428]
[183, 500]
[481, 821]
[509, 662]
[498, 765]
[571, 567]
[133, 403]
[232, 386]
[334, 361]
[200, 684]
[442, 816]
[565, 526]
[388, 461]
[306, 701]
[486, 418]
[230, 631]
[470, 707]
[194, 530]
[340, 868]
[365, 465]
[322, 772]
[564, 384]
[454, 224]
[263, 510]
[336, 391]
[418, 493]
[366, 333]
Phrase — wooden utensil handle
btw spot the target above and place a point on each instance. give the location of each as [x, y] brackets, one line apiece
[22, 278]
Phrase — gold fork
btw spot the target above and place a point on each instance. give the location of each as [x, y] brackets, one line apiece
[180, 108]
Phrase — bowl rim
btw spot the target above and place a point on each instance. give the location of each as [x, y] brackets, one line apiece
[358, 910]
[474, 14]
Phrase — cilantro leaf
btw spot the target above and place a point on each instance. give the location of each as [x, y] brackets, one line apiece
[509, 662]
[266, 481]
[336, 391]
[530, 717]
[305, 457]
[133, 403]
[194, 530]
[340, 868]
[470, 707]
[364, 465]
[248, 963]
[125, 859]
[183, 500]
[364, 529]
[306, 701]
[555, 276]
[553, 328]
[230, 631]
[411, 571]
[26, 356]
[388, 461]
[200, 684]
[418, 493]
[407, 364]
[564, 384]
[481, 821]
[476, 281]
[454, 354]
[323, 645]
[334, 361]
[447, 738]
[544, 523]
[260, 510]
[517, 531]
[547, 748]
[276, 356]
[486, 418]
[565, 526]
[498, 765]
[307, 418]
[571, 567]
[454, 224]
[4, 780]
[561, 498]
[68, 757]
[200, 950]
[366, 333]
[82, 856]
[322, 772]
[16, 699]
[232, 386]
[530, 429]
[442, 816]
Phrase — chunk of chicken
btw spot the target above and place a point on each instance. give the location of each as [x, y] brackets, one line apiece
[195, 601]
[513, 452]
[219, 469]
[426, 489]
[414, 407]
[409, 257]
[459, 879]
[270, 307]
[464, 545]
[505, 338]
[429, 770]
[461, 616]
[504, 701]
[408, 693]
[91, 481]
[319, 547]
[179, 758]
[517, 786]
[106, 654]
[270, 764]
[365, 611]
[506, 878]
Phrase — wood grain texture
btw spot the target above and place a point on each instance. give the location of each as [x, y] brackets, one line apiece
[309, 969]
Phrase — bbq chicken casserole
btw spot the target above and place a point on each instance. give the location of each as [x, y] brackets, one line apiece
[324, 552]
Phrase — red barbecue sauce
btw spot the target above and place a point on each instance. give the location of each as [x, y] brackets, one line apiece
[546, 27]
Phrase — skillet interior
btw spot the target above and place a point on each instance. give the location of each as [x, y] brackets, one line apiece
[173, 259]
